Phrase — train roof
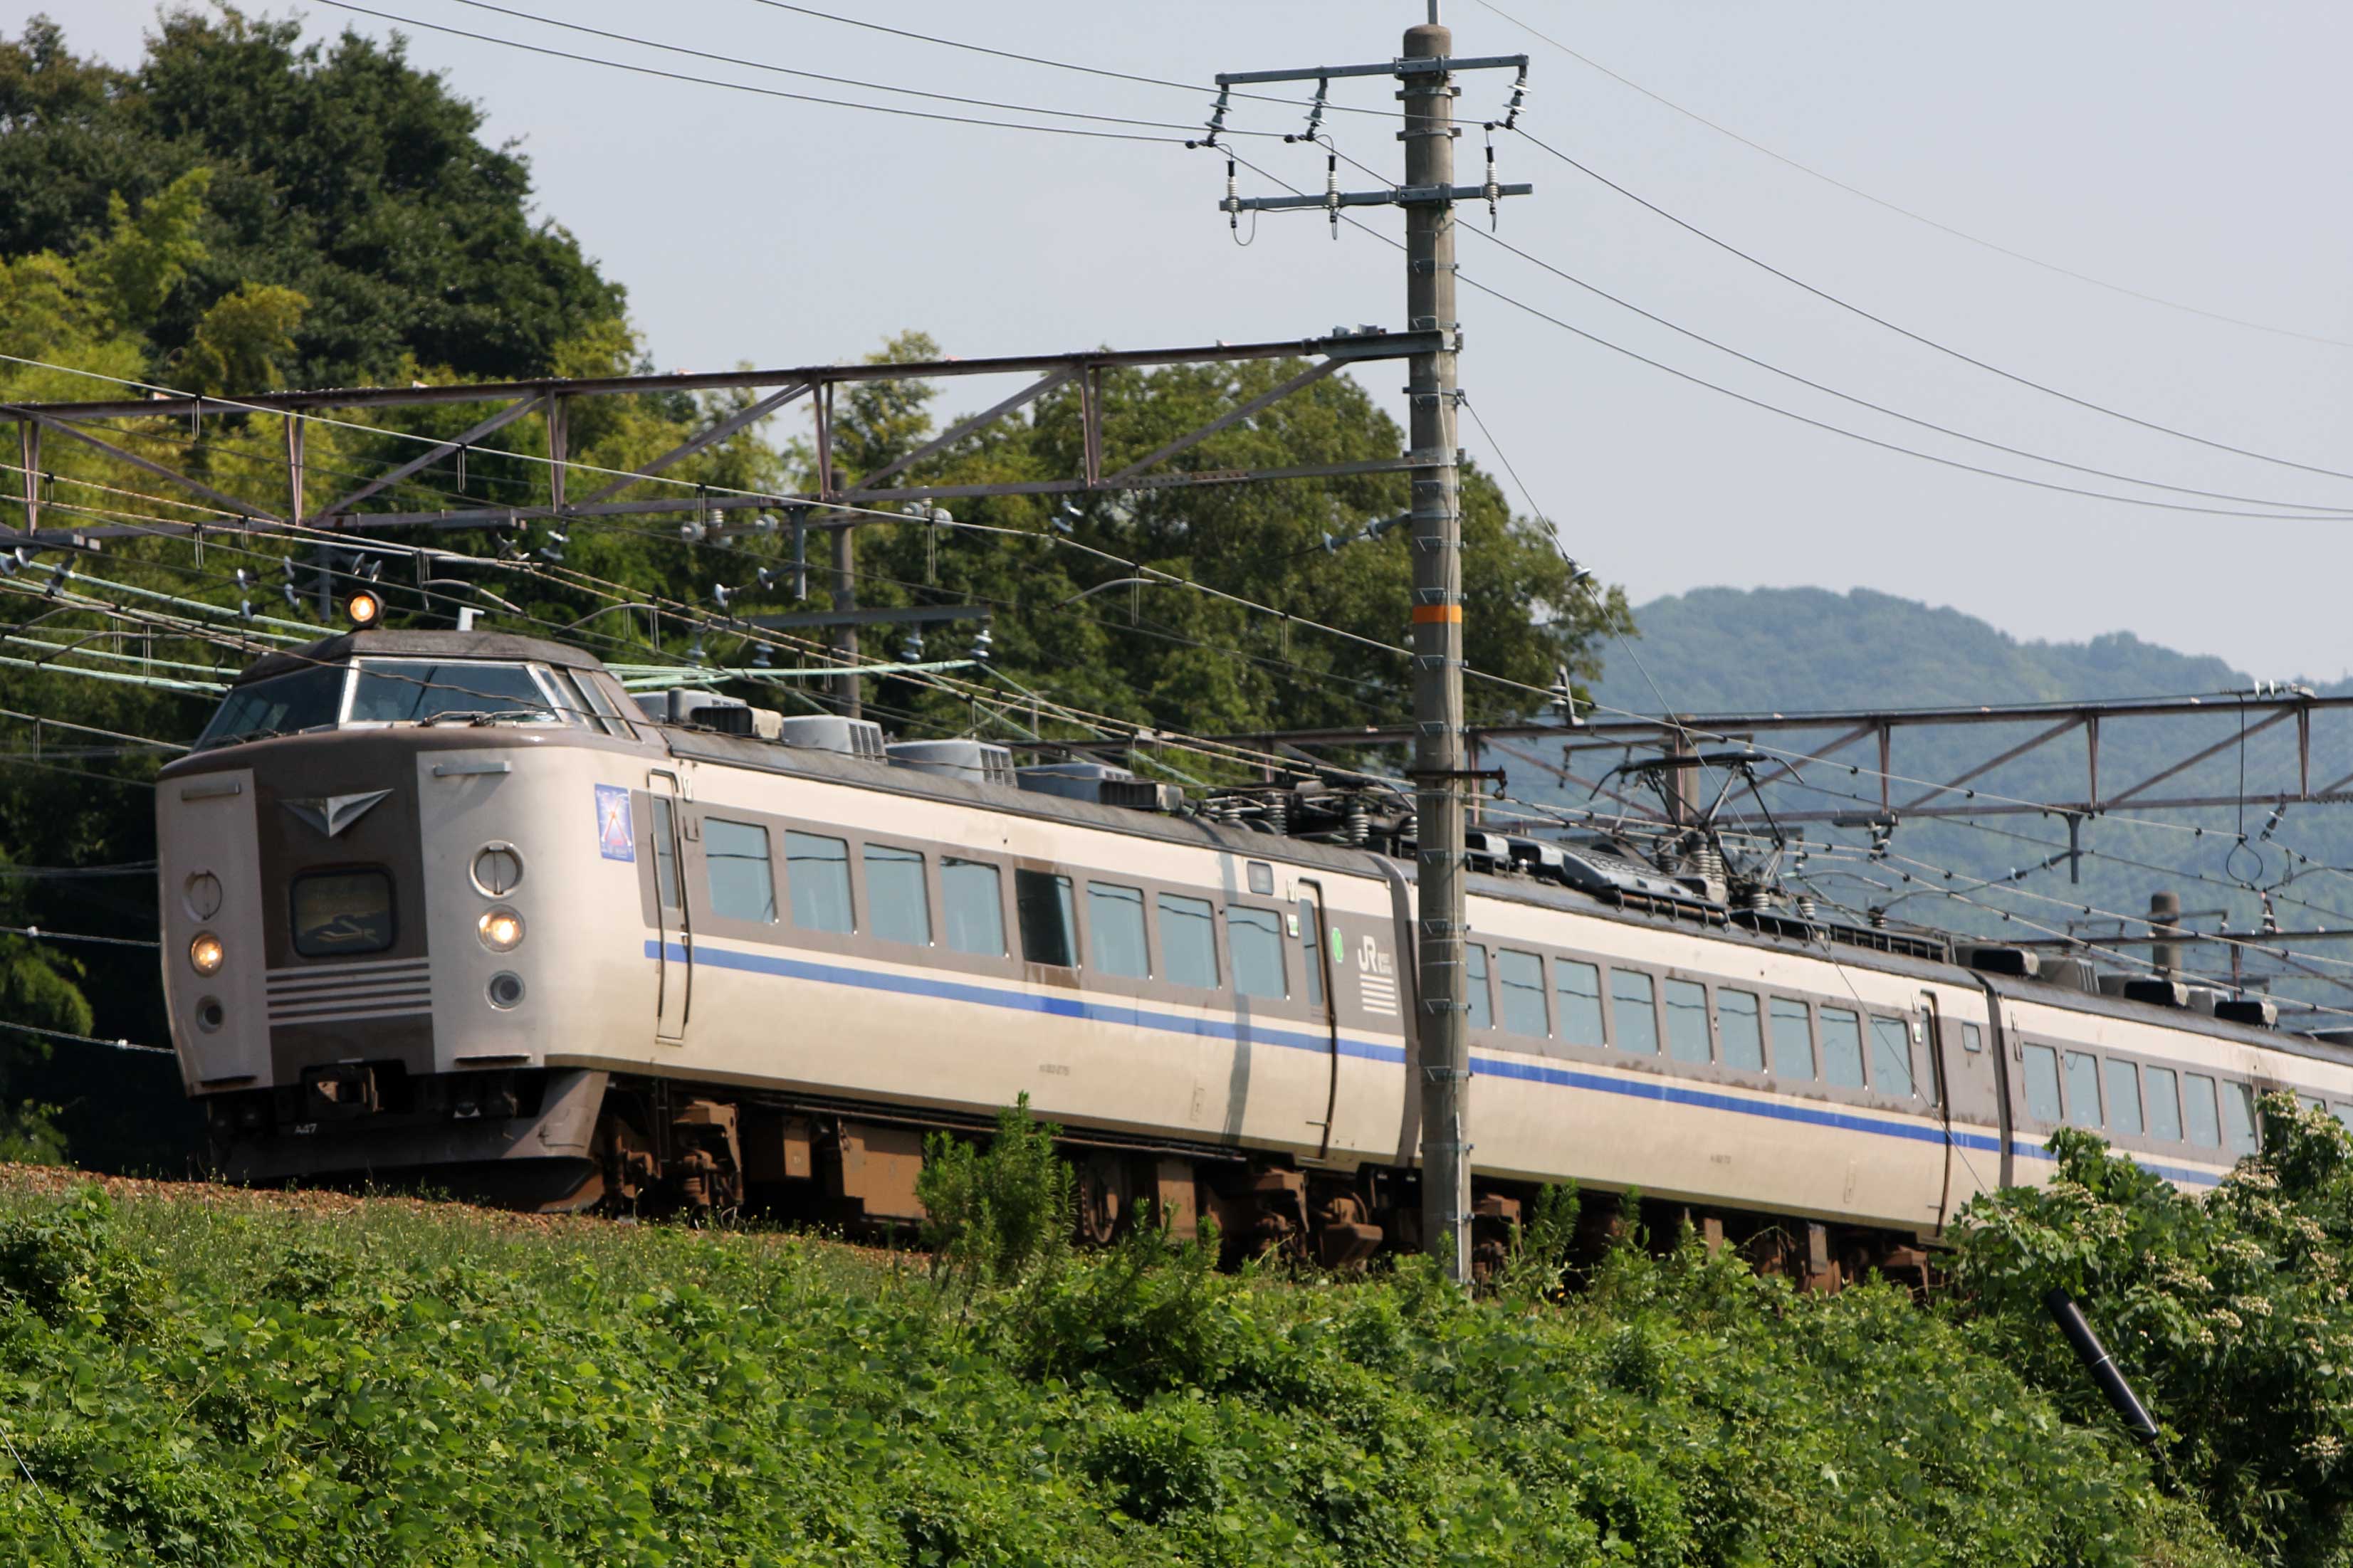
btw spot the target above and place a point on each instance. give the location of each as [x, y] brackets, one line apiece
[378, 642]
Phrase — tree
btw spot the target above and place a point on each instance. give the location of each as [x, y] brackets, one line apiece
[342, 173]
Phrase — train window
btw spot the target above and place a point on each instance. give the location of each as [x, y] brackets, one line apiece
[2239, 1135]
[1189, 940]
[817, 873]
[1793, 1039]
[1521, 977]
[1687, 1022]
[2200, 1110]
[1972, 1039]
[1256, 939]
[736, 860]
[896, 907]
[338, 913]
[608, 716]
[282, 705]
[1576, 989]
[665, 854]
[569, 703]
[1841, 1049]
[2124, 1098]
[2164, 1103]
[1311, 950]
[1890, 1057]
[413, 691]
[2344, 1114]
[1050, 918]
[1741, 1029]
[972, 899]
[2311, 1102]
[1630, 1003]
[1116, 915]
[2043, 1085]
[2084, 1088]
[1476, 1002]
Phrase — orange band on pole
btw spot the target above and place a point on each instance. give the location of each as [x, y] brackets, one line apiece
[1424, 615]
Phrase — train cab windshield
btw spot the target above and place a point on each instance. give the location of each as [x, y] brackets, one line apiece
[372, 693]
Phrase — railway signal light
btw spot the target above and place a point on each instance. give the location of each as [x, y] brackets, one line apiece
[363, 608]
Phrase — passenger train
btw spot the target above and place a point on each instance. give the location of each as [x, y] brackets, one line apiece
[453, 904]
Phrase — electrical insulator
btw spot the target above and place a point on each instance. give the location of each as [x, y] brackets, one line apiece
[1332, 192]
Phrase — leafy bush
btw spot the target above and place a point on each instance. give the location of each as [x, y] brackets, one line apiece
[2230, 1315]
[66, 1265]
[996, 1213]
[387, 1382]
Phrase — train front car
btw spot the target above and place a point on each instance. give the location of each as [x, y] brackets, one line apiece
[387, 870]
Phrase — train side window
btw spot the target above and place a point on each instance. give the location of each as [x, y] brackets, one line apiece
[1255, 937]
[1740, 1030]
[1687, 1022]
[2083, 1090]
[1189, 940]
[1890, 1057]
[1521, 977]
[1577, 988]
[1049, 918]
[972, 900]
[2200, 1110]
[1793, 1039]
[665, 854]
[1116, 913]
[735, 861]
[2164, 1103]
[2042, 1101]
[2123, 1097]
[2239, 1118]
[2312, 1102]
[1841, 1049]
[1636, 1013]
[1972, 1039]
[2344, 1114]
[817, 870]
[896, 907]
[1476, 1005]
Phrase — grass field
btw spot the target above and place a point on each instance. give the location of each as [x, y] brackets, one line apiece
[194, 1375]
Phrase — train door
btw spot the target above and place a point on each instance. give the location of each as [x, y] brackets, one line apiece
[675, 963]
[1316, 949]
[1940, 1093]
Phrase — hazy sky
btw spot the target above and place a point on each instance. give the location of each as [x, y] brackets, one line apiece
[2186, 149]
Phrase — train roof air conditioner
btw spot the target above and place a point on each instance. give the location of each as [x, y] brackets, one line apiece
[975, 762]
[832, 732]
[1100, 782]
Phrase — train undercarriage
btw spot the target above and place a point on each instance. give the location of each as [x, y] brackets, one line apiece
[574, 1142]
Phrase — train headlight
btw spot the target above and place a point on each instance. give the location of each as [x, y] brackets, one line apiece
[500, 929]
[205, 953]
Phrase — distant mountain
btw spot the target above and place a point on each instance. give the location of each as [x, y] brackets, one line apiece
[1722, 650]
[1728, 650]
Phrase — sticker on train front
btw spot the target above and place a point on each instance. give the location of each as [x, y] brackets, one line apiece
[615, 835]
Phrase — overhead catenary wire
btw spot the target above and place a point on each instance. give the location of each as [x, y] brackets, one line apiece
[1915, 216]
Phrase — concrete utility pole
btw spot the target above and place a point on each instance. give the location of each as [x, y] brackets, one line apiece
[1432, 388]
[1426, 71]
[844, 637]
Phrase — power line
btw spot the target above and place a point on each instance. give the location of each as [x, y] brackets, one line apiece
[843, 80]
[746, 87]
[1925, 342]
[1696, 380]
[1908, 212]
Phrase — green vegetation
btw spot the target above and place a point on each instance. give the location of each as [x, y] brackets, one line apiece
[252, 1381]
[2229, 1314]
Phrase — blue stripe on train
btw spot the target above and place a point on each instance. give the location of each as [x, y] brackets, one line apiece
[1245, 1030]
